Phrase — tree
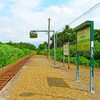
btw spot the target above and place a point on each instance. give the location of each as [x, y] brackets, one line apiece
[43, 46]
[22, 45]
[67, 35]
[97, 35]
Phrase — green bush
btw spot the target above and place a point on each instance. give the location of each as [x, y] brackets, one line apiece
[84, 56]
[73, 60]
[42, 52]
[9, 54]
[73, 50]
[97, 50]
[97, 63]
[28, 51]
[84, 61]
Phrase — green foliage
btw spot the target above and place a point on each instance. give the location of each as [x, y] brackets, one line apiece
[72, 50]
[73, 60]
[97, 63]
[68, 35]
[84, 61]
[9, 54]
[42, 49]
[84, 56]
[28, 51]
[97, 35]
[43, 46]
[42, 52]
[22, 45]
[59, 54]
[97, 50]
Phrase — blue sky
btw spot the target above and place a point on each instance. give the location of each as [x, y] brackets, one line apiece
[42, 6]
[18, 17]
[48, 3]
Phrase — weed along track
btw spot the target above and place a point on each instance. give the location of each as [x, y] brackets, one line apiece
[7, 74]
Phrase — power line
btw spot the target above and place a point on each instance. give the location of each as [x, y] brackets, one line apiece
[91, 9]
[85, 13]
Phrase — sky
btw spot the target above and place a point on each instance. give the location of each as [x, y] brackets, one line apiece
[18, 17]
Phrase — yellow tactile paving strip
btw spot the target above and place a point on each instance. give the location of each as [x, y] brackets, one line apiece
[33, 84]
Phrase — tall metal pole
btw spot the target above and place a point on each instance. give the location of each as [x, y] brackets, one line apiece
[63, 57]
[92, 58]
[49, 37]
[54, 50]
[68, 57]
[77, 66]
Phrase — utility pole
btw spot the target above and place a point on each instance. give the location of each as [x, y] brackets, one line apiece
[49, 37]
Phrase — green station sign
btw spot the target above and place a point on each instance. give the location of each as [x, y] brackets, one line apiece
[33, 34]
[85, 42]
[83, 39]
[83, 32]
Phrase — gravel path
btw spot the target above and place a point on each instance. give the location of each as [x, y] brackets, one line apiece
[40, 81]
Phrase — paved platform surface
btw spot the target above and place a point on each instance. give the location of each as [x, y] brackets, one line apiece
[40, 81]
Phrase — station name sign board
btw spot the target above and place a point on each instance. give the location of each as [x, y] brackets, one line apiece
[66, 49]
[33, 34]
[83, 39]
[83, 36]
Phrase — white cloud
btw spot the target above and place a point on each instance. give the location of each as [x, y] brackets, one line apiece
[24, 17]
[1, 6]
[80, 7]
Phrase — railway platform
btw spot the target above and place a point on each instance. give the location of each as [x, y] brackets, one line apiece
[40, 81]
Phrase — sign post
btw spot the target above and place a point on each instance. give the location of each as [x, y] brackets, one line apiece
[77, 66]
[92, 58]
[85, 42]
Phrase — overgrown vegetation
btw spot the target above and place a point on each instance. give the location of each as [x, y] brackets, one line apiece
[10, 54]
[22, 45]
[68, 35]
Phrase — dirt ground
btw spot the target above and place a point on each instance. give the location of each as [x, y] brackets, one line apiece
[40, 81]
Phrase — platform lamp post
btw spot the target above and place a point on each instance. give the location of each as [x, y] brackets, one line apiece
[33, 34]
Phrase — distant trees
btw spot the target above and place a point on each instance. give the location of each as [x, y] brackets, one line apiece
[67, 35]
[42, 48]
[11, 52]
[22, 45]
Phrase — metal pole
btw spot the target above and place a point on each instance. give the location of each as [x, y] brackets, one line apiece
[68, 57]
[56, 39]
[63, 56]
[54, 51]
[92, 58]
[49, 38]
[77, 66]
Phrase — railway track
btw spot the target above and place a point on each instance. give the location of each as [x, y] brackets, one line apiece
[6, 75]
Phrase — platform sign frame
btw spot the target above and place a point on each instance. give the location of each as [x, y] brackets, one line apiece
[85, 42]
